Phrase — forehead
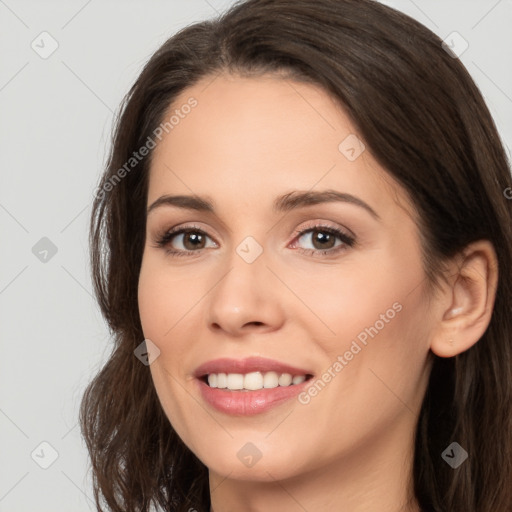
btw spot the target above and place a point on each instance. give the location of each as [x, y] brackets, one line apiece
[262, 137]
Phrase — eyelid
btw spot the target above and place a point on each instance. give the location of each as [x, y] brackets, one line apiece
[165, 235]
[319, 224]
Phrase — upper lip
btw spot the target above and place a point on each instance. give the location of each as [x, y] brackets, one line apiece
[247, 365]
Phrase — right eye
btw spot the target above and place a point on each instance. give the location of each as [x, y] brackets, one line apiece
[191, 238]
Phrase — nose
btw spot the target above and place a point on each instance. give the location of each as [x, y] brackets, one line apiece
[247, 298]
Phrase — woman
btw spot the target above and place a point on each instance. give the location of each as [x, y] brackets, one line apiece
[302, 246]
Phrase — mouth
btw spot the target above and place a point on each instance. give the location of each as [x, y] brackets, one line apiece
[249, 386]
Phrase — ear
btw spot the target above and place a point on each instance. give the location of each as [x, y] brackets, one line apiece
[467, 301]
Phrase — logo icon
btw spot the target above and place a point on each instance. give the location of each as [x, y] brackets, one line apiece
[249, 454]
[44, 250]
[351, 147]
[455, 45]
[249, 249]
[44, 45]
[146, 352]
[454, 455]
[44, 455]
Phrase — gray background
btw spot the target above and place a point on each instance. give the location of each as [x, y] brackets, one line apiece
[55, 123]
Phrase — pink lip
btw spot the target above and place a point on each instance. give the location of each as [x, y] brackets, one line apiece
[250, 364]
[247, 403]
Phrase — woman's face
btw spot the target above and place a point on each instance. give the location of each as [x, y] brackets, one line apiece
[264, 274]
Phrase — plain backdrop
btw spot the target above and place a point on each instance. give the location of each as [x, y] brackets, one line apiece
[56, 113]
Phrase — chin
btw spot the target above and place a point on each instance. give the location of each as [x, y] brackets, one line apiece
[252, 461]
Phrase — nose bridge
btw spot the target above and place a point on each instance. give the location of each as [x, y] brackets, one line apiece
[246, 294]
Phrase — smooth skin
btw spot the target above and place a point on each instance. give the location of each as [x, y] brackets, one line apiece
[247, 142]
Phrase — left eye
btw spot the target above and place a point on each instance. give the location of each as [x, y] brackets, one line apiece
[323, 239]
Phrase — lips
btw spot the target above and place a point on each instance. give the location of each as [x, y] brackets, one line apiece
[248, 365]
[248, 402]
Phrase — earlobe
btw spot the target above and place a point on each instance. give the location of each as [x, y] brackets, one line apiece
[470, 298]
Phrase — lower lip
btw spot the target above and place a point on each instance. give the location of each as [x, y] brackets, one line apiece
[247, 403]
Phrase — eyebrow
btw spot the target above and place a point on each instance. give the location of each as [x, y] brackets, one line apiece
[292, 200]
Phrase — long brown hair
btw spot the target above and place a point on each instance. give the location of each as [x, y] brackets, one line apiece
[424, 120]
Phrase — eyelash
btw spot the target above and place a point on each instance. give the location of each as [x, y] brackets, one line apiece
[347, 240]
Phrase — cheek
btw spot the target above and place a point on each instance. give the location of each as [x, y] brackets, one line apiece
[163, 303]
[380, 320]
[375, 317]
[164, 299]
[356, 299]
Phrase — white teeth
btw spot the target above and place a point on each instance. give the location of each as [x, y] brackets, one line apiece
[270, 380]
[235, 381]
[212, 380]
[298, 379]
[285, 379]
[222, 381]
[253, 381]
